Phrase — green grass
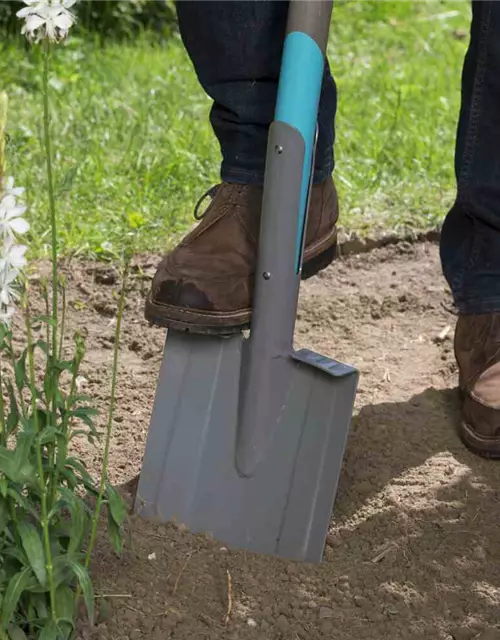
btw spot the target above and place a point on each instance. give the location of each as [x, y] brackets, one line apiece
[398, 67]
[132, 133]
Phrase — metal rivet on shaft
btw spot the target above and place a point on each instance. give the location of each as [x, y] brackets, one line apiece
[278, 148]
[266, 275]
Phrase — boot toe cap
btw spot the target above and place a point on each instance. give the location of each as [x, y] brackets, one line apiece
[480, 427]
[179, 293]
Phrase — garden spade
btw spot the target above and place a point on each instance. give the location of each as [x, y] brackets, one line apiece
[247, 435]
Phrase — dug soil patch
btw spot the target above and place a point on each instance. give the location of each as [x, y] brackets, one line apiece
[414, 546]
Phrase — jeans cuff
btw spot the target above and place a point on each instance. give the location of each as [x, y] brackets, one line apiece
[244, 176]
[241, 176]
[478, 306]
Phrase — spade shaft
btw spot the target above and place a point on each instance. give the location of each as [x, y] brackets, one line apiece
[265, 382]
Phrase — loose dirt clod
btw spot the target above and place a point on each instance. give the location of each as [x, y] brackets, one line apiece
[413, 509]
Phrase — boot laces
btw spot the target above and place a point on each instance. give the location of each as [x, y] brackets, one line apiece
[208, 194]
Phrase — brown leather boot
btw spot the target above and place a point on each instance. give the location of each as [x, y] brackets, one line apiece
[206, 283]
[477, 349]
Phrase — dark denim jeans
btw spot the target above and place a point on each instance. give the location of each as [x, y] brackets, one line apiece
[236, 46]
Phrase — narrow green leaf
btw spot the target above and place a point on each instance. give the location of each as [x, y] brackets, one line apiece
[20, 371]
[56, 509]
[14, 591]
[63, 571]
[79, 398]
[65, 603]
[15, 468]
[3, 332]
[85, 411]
[79, 519]
[64, 365]
[116, 505]
[4, 514]
[86, 586]
[60, 399]
[71, 478]
[85, 415]
[50, 435]
[23, 502]
[18, 554]
[58, 532]
[24, 472]
[50, 631]
[115, 535]
[83, 432]
[86, 478]
[13, 417]
[33, 546]
[39, 602]
[48, 382]
[66, 629]
[24, 442]
[16, 633]
[8, 463]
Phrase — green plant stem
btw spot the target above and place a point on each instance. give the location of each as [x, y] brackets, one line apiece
[41, 475]
[2, 410]
[109, 428]
[53, 228]
[63, 320]
[61, 454]
[45, 293]
[50, 186]
[12, 503]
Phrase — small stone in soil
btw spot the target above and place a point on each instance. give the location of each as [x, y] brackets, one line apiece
[326, 612]
[135, 345]
[282, 623]
[360, 601]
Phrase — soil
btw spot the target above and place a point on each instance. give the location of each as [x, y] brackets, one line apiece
[413, 551]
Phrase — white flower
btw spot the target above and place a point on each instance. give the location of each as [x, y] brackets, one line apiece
[10, 190]
[12, 256]
[7, 293]
[47, 19]
[11, 221]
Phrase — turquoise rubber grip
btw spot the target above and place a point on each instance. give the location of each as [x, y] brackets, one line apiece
[299, 92]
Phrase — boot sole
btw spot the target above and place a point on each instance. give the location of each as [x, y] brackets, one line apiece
[224, 324]
[481, 446]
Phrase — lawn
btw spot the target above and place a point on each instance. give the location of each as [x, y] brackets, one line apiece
[132, 135]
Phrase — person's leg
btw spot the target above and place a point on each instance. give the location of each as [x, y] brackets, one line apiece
[206, 283]
[235, 47]
[470, 242]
